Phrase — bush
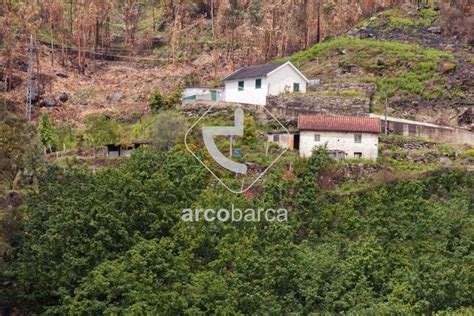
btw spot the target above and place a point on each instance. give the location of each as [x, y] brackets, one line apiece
[469, 152]
[47, 133]
[158, 102]
[167, 129]
[100, 130]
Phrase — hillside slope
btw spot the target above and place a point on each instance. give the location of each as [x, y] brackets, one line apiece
[425, 74]
[433, 85]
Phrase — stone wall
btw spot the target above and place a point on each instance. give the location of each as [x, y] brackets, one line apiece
[441, 134]
[290, 106]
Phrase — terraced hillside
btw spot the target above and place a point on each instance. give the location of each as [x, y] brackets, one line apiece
[424, 74]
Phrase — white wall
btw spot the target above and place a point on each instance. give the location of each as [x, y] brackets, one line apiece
[202, 93]
[249, 95]
[283, 140]
[284, 78]
[340, 141]
[187, 92]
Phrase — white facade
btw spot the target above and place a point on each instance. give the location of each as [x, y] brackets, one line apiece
[284, 79]
[284, 140]
[250, 94]
[340, 141]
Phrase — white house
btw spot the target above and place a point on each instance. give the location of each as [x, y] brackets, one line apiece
[345, 136]
[252, 85]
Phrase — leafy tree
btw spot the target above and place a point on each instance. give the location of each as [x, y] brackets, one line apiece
[166, 130]
[147, 279]
[114, 242]
[308, 190]
[15, 145]
[66, 136]
[47, 133]
[250, 131]
[100, 130]
[77, 220]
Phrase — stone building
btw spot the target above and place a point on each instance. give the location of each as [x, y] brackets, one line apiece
[344, 136]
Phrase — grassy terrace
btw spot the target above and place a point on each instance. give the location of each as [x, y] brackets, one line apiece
[399, 18]
[409, 67]
[395, 67]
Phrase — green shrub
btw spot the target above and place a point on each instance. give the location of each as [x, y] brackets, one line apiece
[100, 130]
[469, 152]
[47, 132]
[158, 102]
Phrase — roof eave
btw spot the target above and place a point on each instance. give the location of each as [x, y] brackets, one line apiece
[294, 68]
[225, 79]
[337, 131]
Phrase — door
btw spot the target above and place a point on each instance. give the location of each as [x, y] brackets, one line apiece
[213, 95]
[296, 141]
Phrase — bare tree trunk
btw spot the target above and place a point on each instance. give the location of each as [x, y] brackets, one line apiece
[63, 35]
[318, 28]
[306, 27]
[52, 46]
[71, 15]
[212, 19]
[153, 16]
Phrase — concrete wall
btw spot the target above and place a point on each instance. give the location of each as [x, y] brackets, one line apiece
[282, 81]
[203, 94]
[343, 141]
[187, 92]
[290, 106]
[437, 133]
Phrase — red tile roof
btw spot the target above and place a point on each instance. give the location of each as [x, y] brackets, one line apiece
[339, 123]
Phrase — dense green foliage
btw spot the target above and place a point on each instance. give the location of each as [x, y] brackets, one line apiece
[167, 128]
[18, 150]
[113, 243]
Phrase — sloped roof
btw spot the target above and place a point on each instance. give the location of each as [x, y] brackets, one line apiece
[339, 123]
[253, 71]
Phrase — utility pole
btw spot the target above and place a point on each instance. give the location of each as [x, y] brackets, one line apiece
[29, 86]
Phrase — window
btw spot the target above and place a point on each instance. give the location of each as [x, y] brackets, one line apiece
[317, 137]
[296, 87]
[276, 138]
[357, 138]
[258, 83]
[241, 86]
[357, 155]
